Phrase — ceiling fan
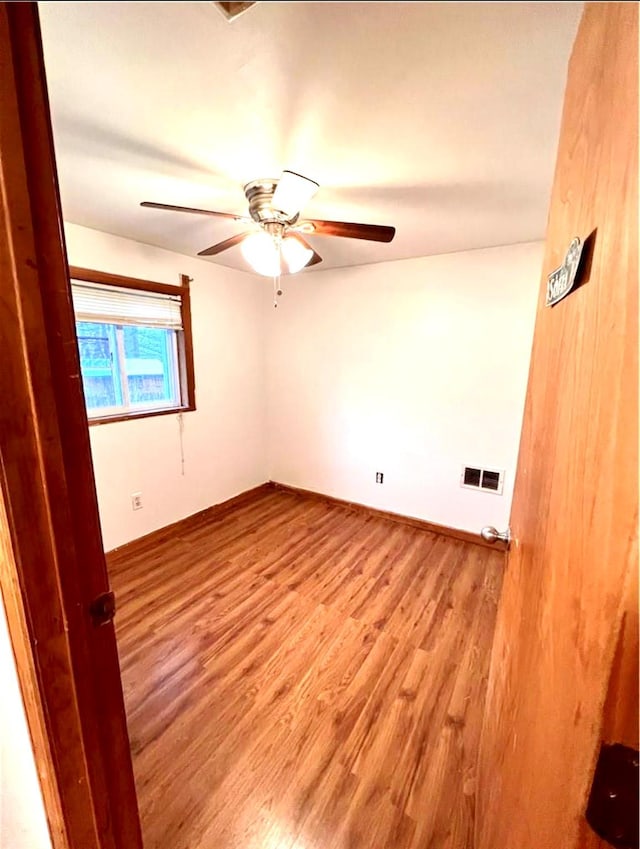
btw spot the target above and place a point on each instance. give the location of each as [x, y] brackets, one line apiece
[275, 243]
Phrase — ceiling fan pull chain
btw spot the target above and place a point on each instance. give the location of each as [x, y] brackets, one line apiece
[277, 289]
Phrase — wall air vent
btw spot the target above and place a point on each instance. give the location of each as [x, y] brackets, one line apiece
[232, 10]
[489, 480]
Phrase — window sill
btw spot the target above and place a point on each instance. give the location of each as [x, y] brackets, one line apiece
[126, 417]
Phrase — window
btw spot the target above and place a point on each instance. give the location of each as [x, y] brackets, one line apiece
[134, 341]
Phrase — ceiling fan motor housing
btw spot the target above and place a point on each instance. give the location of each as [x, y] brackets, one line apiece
[259, 194]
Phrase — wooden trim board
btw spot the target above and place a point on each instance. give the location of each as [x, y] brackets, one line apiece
[183, 525]
[217, 510]
[186, 342]
[130, 417]
[442, 530]
[105, 278]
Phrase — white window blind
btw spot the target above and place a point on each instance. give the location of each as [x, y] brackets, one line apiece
[97, 302]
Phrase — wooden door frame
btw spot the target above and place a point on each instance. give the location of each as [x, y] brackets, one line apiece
[51, 556]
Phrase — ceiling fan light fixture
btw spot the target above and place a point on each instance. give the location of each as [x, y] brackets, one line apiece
[292, 193]
[295, 254]
[261, 252]
[277, 241]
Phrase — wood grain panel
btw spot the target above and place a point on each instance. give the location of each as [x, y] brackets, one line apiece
[574, 515]
[621, 709]
[300, 674]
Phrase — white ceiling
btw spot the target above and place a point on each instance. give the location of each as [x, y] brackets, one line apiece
[441, 119]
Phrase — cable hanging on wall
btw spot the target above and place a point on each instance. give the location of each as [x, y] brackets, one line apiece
[181, 434]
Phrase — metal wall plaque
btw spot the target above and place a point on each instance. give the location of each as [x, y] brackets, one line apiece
[561, 281]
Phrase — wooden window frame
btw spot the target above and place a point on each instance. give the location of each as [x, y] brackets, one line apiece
[186, 369]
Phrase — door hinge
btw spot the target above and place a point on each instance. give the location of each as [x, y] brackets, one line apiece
[103, 608]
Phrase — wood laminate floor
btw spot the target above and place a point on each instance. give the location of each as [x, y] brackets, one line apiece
[301, 676]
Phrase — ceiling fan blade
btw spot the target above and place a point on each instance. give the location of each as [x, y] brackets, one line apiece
[172, 208]
[348, 230]
[293, 192]
[223, 246]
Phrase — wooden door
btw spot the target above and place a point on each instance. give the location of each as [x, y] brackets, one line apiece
[574, 516]
[52, 564]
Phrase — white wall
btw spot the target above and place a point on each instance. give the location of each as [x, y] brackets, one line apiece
[412, 368]
[23, 823]
[224, 450]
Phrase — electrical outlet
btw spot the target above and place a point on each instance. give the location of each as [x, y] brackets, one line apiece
[136, 501]
[379, 477]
